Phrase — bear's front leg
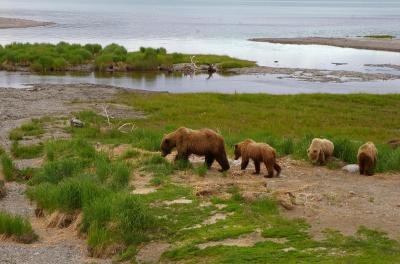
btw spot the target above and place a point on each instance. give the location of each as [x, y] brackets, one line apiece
[182, 156]
[257, 166]
[245, 162]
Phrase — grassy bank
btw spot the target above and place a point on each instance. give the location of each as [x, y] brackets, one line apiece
[78, 178]
[43, 57]
[287, 122]
[380, 36]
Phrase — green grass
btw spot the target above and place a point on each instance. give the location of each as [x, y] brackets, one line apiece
[16, 227]
[380, 36]
[44, 57]
[7, 166]
[26, 151]
[75, 178]
[287, 122]
[34, 128]
[201, 170]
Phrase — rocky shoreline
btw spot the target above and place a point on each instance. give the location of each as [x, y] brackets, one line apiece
[355, 43]
[316, 75]
[6, 22]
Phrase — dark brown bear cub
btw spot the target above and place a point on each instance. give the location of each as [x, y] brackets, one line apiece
[367, 156]
[203, 142]
[258, 152]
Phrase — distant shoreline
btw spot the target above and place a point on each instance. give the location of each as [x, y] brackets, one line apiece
[392, 45]
[21, 23]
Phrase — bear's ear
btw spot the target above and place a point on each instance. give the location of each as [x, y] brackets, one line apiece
[166, 141]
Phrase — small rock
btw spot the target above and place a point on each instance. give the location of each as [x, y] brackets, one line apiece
[288, 249]
[352, 193]
[286, 202]
[76, 122]
[352, 168]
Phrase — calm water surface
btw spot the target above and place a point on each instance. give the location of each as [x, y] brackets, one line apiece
[219, 27]
[176, 83]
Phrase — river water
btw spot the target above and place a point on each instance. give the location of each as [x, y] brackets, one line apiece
[218, 27]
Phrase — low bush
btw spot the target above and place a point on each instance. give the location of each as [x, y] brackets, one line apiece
[7, 166]
[16, 227]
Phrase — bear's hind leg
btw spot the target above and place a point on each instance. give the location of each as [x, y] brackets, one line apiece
[270, 170]
[223, 162]
[278, 169]
[257, 166]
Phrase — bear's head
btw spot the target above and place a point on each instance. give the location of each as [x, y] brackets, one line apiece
[237, 152]
[166, 146]
[313, 153]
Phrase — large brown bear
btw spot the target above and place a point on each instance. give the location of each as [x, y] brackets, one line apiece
[367, 156]
[258, 152]
[320, 150]
[203, 142]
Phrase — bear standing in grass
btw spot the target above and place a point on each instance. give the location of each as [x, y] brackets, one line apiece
[258, 152]
[320, 150]
[203, 142]
[367, 156]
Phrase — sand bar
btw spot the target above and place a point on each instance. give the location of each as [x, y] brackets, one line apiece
[21, 23]
[355, 43]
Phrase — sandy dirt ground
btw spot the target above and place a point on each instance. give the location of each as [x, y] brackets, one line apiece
[325, 198]
[355, 43]
[21, 23]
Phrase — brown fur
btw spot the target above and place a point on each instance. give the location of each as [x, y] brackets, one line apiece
[259, 153]
[203, 142]
[320, 150]
[367, 157]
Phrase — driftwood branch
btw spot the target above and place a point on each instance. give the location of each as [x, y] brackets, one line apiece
[106, 114]
[127, 124]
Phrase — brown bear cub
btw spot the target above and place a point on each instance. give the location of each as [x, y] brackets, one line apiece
[367, 156]
[320, 150]
[203, 142]
[258, 152]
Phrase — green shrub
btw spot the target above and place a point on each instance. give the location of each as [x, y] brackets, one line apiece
[7, 167]
[93, 48]
[69, 195]
[201, 170]
[16, 226]
[120, 173]
[26, 151]
[133, 218]
[33, 128]
[56, 171]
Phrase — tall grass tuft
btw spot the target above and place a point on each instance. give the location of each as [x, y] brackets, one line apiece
[17, 227]
[56, 171]
[26, 151]
[7, 166]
